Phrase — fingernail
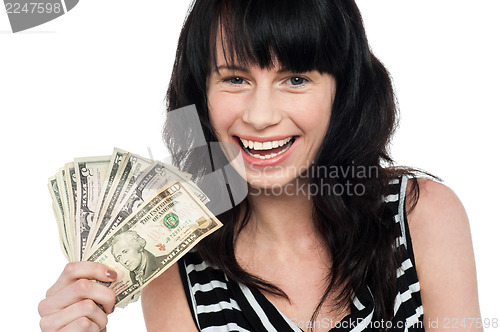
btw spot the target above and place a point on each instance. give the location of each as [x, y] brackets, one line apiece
[111, 274]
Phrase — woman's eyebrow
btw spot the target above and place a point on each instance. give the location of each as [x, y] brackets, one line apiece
[233, 68]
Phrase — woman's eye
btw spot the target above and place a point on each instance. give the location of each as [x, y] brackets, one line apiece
[235, 80]
[297, 80]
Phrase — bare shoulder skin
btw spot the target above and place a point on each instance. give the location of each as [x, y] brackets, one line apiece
[164, 304]
[444, 259]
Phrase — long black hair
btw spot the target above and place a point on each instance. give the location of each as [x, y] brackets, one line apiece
[304, 35]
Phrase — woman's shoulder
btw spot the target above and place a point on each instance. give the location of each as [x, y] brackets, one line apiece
[443, 251]
[164, 303]
[436, 208]
[437, 221]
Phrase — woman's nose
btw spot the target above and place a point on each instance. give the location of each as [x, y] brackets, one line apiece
[262, 110]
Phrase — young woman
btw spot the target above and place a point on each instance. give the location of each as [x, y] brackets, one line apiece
[331, 235]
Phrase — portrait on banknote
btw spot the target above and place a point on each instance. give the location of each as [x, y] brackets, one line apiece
[128, 248]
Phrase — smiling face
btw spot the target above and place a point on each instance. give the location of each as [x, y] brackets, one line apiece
[277, 118]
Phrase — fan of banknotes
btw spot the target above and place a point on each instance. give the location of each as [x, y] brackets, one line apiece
[136, 215]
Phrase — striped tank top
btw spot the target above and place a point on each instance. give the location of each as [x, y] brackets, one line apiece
[219, 304]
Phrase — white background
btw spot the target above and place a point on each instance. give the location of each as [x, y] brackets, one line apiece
[96, 77]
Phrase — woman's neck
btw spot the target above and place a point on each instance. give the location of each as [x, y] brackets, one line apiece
[280, 240]
[281, 221]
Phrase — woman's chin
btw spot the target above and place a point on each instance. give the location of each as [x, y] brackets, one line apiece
[275, 186]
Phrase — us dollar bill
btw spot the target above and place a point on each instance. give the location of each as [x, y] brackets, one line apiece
[175, 173]
[57, 206]
[130, 169]
[109, 180]
[69, 176]
[89, 177]
[63, 189]
[154, 237]
[154, 178]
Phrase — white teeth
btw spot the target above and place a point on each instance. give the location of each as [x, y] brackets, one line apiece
[269, 156]
[262, 146]
[265, 145]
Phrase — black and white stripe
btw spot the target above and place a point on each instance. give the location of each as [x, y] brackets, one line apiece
[218, 304]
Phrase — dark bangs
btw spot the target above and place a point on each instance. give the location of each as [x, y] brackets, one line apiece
[293, 33]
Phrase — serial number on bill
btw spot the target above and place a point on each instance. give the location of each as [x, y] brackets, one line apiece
[33, 8]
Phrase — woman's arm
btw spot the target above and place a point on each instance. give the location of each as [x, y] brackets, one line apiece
[444, 259]
[164, 304]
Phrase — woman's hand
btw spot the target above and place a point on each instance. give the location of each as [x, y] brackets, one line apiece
[72, 303]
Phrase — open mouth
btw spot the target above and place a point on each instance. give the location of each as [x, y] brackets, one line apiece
[266, 150]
